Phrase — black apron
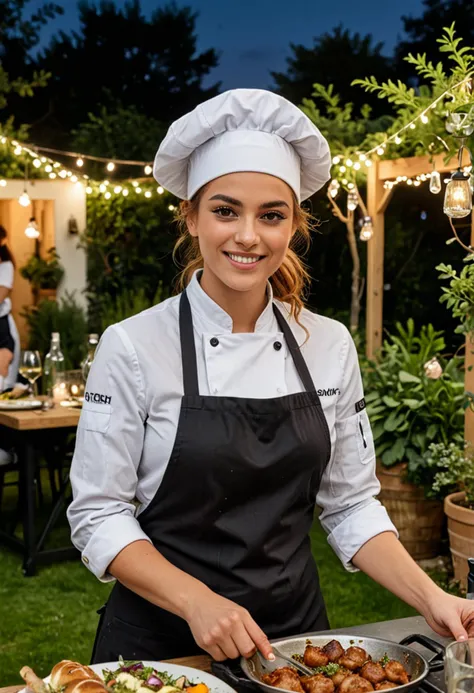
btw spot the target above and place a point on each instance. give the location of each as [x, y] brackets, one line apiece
[234, 510]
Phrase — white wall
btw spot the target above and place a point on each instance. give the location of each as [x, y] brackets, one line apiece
[69, 200]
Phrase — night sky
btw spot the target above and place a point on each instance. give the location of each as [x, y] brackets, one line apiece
[253, 36]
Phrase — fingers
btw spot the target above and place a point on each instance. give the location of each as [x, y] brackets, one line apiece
[259, 638]
[243, 642]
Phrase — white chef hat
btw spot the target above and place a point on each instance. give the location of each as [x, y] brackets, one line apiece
[243, 130]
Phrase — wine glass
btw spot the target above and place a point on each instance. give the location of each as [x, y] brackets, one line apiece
[31, 369]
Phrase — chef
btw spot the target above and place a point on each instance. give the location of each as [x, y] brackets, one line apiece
[215, 422]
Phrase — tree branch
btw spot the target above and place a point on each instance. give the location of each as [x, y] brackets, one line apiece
[337, 210]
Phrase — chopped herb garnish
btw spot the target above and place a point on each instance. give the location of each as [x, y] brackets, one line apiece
[329, 670]
[385, 660]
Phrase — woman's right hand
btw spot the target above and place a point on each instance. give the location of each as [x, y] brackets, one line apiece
[224, 629]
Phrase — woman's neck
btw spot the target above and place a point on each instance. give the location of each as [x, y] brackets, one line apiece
[244, 307]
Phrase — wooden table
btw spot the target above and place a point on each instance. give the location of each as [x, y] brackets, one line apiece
[28, 432]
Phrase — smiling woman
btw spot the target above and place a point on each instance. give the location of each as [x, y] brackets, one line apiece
[232, 411]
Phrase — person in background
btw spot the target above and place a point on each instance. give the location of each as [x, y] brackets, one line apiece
[9, 339]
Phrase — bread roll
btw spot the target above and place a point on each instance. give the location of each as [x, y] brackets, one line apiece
[85, 686]
[66, 671]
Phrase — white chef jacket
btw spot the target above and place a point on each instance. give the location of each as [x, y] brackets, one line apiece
[7, 272]
[130, 414]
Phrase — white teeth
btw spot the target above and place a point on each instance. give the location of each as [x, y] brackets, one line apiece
[242, 259]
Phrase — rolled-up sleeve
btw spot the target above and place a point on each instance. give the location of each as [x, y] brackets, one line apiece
[108, 449]
[350, 512]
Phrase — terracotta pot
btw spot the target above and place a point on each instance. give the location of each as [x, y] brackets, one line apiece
[420, 522]
[45, 295]
[461, 534]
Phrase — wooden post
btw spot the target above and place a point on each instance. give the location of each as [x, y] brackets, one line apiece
[469, 371]
[377, 200]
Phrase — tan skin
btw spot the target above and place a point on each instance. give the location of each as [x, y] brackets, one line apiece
[222, 628]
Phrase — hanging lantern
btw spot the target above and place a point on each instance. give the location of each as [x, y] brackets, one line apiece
[458, 196]
[24, 199]
[435, 182]
[32, 230]
[367, 229]
[352, 201]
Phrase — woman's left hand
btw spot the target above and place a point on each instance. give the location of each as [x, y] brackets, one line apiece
[450, 616]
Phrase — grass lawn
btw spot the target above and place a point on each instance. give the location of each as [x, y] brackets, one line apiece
[53, 616]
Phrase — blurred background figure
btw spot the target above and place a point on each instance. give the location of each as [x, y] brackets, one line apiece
[9, 339]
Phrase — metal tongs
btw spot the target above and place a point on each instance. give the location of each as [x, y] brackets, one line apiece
[285, 660]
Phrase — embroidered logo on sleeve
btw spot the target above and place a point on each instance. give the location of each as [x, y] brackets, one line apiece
[97, 398]
[360, 405]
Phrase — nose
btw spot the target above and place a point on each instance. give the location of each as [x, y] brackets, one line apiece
[246, 235]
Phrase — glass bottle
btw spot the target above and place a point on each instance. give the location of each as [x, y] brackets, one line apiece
[92, 342]
[55, 371]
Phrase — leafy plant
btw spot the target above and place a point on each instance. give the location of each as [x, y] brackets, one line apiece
[452, 469]
[43, 273]
[409, 410]
[128, 303]
[66, 317]
[459, 294]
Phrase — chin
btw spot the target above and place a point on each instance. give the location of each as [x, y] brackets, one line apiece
[243, 281]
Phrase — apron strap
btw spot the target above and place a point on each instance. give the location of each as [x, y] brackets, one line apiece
[295, 351]
[188, 347]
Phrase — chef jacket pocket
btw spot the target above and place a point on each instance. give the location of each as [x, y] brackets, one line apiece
[96, 417]
[365, 440]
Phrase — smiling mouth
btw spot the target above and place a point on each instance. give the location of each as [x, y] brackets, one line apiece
[244, 259]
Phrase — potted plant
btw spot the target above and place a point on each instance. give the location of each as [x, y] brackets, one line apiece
[453, 468]
[414, 398]
[44, 274]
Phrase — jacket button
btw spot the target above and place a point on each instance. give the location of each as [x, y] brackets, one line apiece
[214, 341]
[277, 346]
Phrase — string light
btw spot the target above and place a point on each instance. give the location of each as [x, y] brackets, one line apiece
[36, 163]
[110, 166]
[88, 190]
[3, 183]
[32, 230]
[148, 170]
[160, 190]
[108, 195]
[138, 189]
[24, 199]
[148, 194]
[125, 192]
[80, 163]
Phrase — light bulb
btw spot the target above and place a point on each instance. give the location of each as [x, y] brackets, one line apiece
[356, 166]
[349, 162]
[336, 160]
[398, 140]
[380, 151]
[409, 181]
[125, 192]
[342, 169]
[334, 188]
[148, 193]
[367, 229]
[24, 199]
[36, 163]
[108, 195]
[52, 174]
[134, 183]
[138, 189]
[368, 162]
[350, 186]
[110, 166]
[171, 208]
[56, 164]
[48, 168]
[62, 174]
[148, 170]
[435, 182]
[412, 126]
[417, 183]
[160, 190]
[3, 183]
[102, 188]
[352, 201]
[73, 179]
[18, 150]
[458, 196]
[117, 189]
[424, 118]
[362, 157]
[32, 230]
[79, 163]
[88, 190]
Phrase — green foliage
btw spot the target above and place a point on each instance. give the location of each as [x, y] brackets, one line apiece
[127, 304]
[450, 468]
[409, 410]
[67, 318]
[459, 294]
[43, 273]
[129, 242]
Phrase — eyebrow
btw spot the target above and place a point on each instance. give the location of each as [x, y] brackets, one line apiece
[238, 203]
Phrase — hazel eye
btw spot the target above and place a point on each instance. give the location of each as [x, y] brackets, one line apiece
[273, 216]
[224, 212]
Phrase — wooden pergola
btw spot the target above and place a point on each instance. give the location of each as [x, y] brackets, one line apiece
[378, 199]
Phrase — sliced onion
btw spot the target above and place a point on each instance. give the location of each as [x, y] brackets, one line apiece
[153, 680]
[133, 667]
